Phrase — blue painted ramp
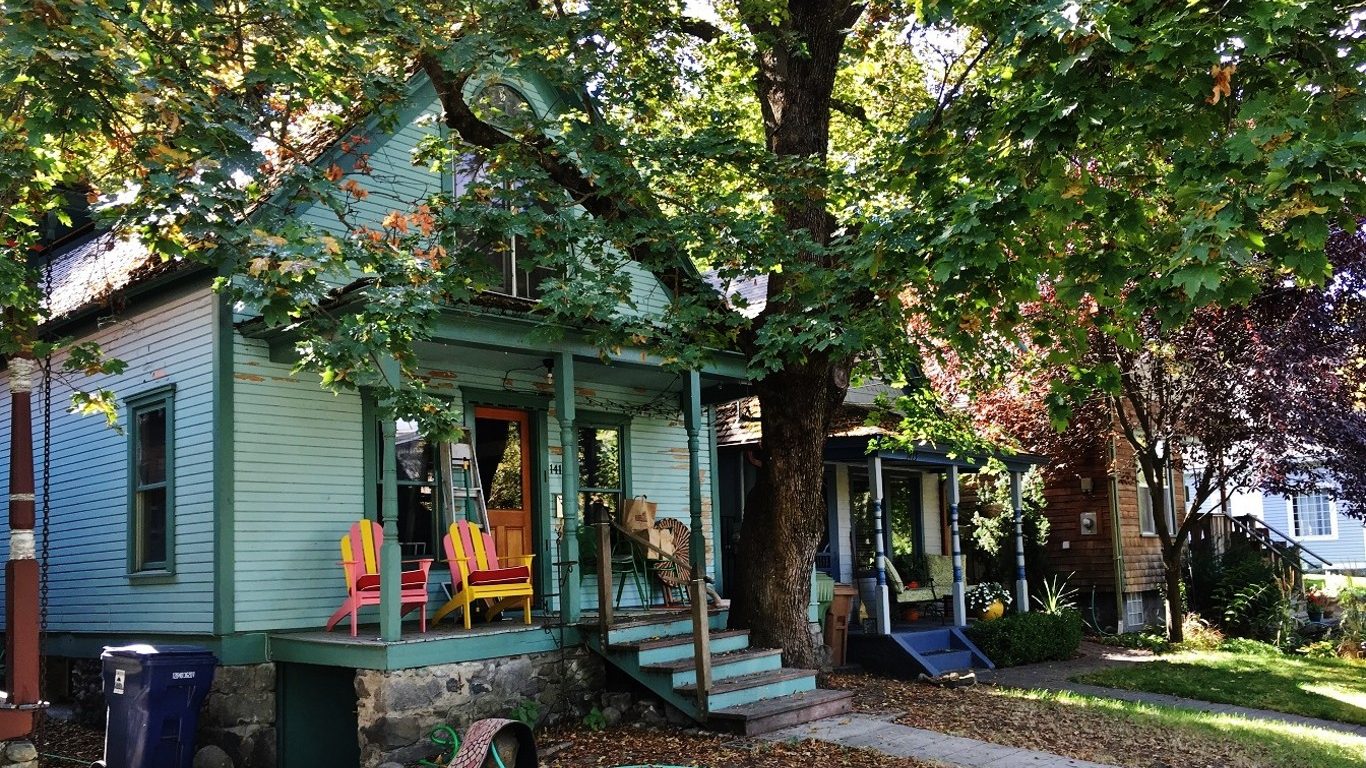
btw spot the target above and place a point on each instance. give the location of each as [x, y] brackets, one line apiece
[908, 653]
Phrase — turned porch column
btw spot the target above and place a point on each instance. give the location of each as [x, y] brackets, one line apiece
[390, 553]
[960, 611]
[571, 601]
[1017, 505]
[692, 422]
[875, 485]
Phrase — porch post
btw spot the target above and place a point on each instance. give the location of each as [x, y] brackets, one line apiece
[571, 601]
[21, 569]
[390, 554]
[692, 422]
[884, 618]
[960, 611]
[1021, 583]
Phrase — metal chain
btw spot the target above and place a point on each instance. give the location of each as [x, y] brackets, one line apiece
[38, 731]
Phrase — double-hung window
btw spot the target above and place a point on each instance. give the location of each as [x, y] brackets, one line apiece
[1147, 524]
[151, 497]
[602, 475]
[1312, 515]
[513, 270]
[419, 523]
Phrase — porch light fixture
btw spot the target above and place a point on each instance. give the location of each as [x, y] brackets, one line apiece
[1086, 486]
[549, 365]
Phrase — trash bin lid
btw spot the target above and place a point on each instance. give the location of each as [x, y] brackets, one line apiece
[144, 650]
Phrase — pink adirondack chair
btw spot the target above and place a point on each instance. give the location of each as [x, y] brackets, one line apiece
[360, 561]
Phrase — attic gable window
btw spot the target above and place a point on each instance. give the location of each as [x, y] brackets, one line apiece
[514, 273]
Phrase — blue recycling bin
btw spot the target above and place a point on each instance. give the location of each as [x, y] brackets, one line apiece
[154, 693]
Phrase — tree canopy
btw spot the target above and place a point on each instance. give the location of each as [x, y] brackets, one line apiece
[894, 171]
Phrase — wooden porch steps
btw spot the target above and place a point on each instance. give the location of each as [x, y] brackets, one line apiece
[751, 692]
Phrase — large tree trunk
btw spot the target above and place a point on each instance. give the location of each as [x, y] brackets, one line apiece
[785, 513]
[1176, 608]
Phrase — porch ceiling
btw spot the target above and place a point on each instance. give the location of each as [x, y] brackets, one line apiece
[854, 449]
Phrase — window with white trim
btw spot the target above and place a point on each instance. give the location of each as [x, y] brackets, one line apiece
[1133, 612]
[1147, 525]
[1312, 516]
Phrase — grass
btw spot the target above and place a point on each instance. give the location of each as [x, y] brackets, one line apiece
[1330, 689]
[1276, 744]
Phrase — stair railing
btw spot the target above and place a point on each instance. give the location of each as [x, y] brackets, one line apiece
[697, 596]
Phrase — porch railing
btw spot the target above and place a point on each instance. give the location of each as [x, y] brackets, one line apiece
[697, 598]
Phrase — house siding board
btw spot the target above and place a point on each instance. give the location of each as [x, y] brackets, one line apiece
[1346, 551]
[168, 341]
[1089, 556]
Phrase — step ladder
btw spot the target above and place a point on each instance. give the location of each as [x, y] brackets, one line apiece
[460, 458]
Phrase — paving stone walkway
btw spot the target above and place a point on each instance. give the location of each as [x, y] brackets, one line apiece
[1056, 676]
[888, 737]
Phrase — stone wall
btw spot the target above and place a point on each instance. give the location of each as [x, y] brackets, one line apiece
[239, 715]
[397, 709]
[18, 754]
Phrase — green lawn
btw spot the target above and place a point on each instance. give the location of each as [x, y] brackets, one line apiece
[1276, 744]
[1332, 689]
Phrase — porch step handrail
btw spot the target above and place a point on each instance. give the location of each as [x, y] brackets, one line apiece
[697, 594]
[1250, 529]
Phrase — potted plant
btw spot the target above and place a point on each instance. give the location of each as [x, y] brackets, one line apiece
[1314, 601]
[988, 600]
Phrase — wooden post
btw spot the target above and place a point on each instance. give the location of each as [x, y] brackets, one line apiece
[21, 570]
[571, 603]
[960, 611]
[884, 606]
[604, 577]
[701, 646]
[390, 554]
[1021, 582]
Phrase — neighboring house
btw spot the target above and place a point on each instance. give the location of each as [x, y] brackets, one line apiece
[903, 505]
[1103, 536]
[1327, 537]
[213, 515]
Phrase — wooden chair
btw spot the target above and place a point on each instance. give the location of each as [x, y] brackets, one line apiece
[478, 574]
[360, 549]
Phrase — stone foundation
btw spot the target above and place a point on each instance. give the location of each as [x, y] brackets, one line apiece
[239, 715]
[19, 753]
[396, 710]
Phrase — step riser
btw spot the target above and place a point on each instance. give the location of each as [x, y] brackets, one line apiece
[669, 628]
[758, 693]
[669, 653]
[720, 670]
[770, 723]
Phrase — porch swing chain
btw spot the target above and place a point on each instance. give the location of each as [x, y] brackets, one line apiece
[45, 547]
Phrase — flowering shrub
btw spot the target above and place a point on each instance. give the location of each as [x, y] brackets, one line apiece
[979, 597]
[1315, 596]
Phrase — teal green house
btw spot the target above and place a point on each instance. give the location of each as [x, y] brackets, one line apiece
[213, 515]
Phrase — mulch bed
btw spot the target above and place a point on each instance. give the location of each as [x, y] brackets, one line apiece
[982, 712]
[66, 739]
[662, 745]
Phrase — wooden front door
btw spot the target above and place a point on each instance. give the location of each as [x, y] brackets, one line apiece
[503, 446]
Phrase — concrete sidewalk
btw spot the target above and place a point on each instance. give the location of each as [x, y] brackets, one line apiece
[892, 738]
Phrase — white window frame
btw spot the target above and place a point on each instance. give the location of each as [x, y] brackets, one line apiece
[1294, 509]
[1132, 599]
[1146, 528]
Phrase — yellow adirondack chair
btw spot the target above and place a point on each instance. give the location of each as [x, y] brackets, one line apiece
[478, 574]
[360, 562]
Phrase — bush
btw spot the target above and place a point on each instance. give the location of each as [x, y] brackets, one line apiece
[1242, 645]
[1026, 638]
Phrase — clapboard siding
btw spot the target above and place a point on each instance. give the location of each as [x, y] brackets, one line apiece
[299, 463]
[1346, 551]
[165, 342]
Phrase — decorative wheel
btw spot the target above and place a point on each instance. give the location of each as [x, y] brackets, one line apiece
[670, 572]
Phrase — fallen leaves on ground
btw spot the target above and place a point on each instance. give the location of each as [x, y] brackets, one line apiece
[68, 739]
[641, 745]
[985, 713]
